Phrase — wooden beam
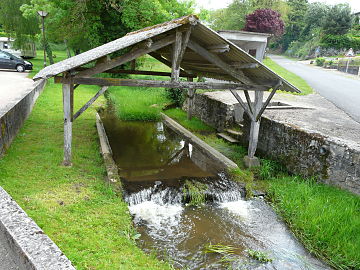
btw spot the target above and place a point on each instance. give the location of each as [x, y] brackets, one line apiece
[166, 84]
[166, 62]
[238, 98]
[219, 48]
[91, 101]
[275, 88]
[219, 62]
[248, 100]
[126, 57]
[185, 41]
[68, 97]
[175, 60]
[143, 72]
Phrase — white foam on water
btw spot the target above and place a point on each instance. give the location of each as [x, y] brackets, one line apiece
[156, 214]
[240, 208]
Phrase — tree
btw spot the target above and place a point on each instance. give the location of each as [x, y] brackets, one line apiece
[296, 21]
[232, 17]
[265, 21]
[15, 25]
[338, 20]
[314, 18]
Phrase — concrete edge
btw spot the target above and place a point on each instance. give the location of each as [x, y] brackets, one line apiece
[105, 149]
[13, 119]
[31, 248]
[204, 147]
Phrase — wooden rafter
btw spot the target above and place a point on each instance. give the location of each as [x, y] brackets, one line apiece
[218, 62]
[127, 57]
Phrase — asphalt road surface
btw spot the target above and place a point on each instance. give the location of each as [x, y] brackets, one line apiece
[13, 86]
[342, 91]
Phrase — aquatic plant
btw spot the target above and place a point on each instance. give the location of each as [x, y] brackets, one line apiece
[194, 192]
[219, 249]
[259, 256]
[226, 252]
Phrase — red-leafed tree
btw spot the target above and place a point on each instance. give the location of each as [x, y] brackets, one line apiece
[265, 21]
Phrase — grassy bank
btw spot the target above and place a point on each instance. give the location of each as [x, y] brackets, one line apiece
[294, 79]
[89, 223]
[140, 103]
[326, 219]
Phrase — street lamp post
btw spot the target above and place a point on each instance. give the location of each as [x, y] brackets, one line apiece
[43, 14]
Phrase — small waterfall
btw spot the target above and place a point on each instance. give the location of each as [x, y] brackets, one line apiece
[218, 190]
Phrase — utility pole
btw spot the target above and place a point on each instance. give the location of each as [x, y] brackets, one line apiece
[43, 14]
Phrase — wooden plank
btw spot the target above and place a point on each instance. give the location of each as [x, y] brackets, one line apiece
[91, 101]
[175, 60]
[126, 57]
[68, 96]
[218, 61]
[166, 84]
[275, 88]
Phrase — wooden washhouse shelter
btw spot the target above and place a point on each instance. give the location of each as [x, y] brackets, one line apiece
[190, 49]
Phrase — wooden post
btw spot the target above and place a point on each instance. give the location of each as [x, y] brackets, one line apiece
[68, 102]
[190, 100]
[175, 61]
[250, 159]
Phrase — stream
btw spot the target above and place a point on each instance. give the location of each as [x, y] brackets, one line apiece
[155, 164]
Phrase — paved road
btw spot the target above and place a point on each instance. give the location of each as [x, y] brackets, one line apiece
[344, 92]
[13, 86]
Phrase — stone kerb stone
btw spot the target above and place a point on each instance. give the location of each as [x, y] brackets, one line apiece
[31, 248]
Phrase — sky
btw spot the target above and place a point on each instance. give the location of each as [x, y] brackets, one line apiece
[216, 4]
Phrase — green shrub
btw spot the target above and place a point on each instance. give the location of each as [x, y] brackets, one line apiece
[340, 42]
[176, 95]
[320, 61]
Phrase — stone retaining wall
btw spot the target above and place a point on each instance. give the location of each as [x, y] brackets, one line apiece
[303, 152]
[14, 118]
[309, 154]
[215, 113]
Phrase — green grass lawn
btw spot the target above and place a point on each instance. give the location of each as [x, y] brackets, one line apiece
[74, 206]
[292, 78]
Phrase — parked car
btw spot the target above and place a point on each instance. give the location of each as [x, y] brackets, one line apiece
[9, 61]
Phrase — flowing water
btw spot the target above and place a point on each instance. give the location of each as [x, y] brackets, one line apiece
[154, 163]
